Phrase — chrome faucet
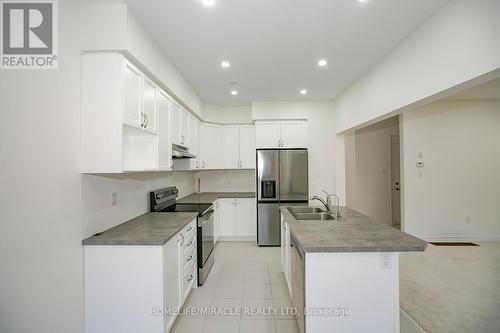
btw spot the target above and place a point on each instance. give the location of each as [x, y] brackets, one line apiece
[338, 216]
[328, 204]
[325, 203]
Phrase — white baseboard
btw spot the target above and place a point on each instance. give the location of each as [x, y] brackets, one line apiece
[237, 239]
[461, 239]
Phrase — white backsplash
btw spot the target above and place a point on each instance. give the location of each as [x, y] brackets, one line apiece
[226, 181]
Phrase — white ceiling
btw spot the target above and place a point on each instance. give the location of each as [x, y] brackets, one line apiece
[274, 45]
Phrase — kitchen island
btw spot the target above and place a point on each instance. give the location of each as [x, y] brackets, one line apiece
[343, 273]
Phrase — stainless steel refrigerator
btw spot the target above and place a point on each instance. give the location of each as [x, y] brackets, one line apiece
[282, 179]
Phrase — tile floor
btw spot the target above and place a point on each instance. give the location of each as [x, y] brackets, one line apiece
[452, 288]
[247, 277]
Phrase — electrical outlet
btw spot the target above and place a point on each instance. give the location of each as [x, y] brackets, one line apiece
[385, 260]
[113, 199]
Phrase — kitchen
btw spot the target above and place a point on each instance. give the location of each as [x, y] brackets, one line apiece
[147, 156]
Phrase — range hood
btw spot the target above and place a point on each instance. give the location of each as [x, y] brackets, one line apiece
[181, 152]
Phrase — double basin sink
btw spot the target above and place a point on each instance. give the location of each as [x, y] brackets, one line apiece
[310, 213]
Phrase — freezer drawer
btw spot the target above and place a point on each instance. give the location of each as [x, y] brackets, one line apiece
[268, 224]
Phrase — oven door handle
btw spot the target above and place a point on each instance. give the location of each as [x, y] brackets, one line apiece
[206, 217]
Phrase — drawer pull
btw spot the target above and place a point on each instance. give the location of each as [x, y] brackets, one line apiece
[189, 229]
[190, 278]
[189, 244]
[190, 258]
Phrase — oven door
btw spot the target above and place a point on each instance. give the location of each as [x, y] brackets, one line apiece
[205, 237]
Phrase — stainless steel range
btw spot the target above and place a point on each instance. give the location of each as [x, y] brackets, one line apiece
[165, 200]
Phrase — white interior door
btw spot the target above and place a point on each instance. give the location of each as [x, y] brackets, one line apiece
[164, 144]
[231, 146]
[267, 134]
[247, 146]
[396, 180]
[294, 134]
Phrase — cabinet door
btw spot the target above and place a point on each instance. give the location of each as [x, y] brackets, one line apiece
[172, 282]
[149, 98]
[176, 123]
[283, 245]
[231, 146]
[288, 267]
[210, 146]
[184, 128]
[216, 221]
[132, 88]
[267, 134]
[246, 218]
[227, 217]
[294, 134]
[247, 146]
[164, 144]
[193, 141]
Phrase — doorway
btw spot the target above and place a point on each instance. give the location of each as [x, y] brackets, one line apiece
[395, 182]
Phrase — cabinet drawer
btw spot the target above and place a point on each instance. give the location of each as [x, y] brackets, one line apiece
[188, 279]
[188, 260]
[189, 229]
[189, 243]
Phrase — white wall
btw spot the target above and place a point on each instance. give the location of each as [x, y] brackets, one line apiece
[459, 43]
[369, 189]
[227, 114]
[321, 137]
[456, 194]
[226, 181]
[132, 196]
[114, 27]
[46, 206]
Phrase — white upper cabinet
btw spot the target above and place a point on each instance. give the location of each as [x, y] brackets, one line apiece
[164, 129]
[231, 146]
[193, 131]
[176, 123]
[184, 126]
[293, 134]
[281, 134]
[267, 134]
[119, 116]
[150, 98]
[132, 85]
[210, 146]
[238, 146]
[247, 146]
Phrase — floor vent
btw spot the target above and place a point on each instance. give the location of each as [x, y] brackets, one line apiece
[452, 244]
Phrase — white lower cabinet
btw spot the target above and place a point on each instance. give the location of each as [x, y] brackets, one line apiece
[216, 221]
[286, 264]
[132, 289]
[237, 219]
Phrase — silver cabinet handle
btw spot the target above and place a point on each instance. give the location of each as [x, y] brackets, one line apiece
[189, 244]
[146, 120]
[189, 229]
[142, 120]
[190, 278]
[190, 258]
[182, 237]
[203, 164]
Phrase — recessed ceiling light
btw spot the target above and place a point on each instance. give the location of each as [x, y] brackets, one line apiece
[225, 64]
[322, 62]
[234, 92]
[303, 92]
[208, 3]
[363, 1]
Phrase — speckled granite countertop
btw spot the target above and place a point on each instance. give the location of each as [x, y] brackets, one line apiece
[210, 197]
[147, 229]
[357, 233]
